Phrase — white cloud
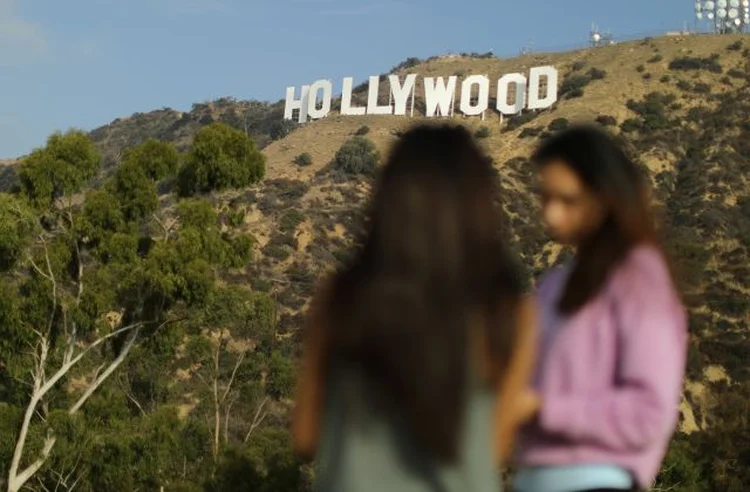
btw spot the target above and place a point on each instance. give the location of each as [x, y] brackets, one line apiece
[21, 41]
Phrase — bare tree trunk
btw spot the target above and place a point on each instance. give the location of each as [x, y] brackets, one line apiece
[260, 416]
[17, 480]
[217, 410]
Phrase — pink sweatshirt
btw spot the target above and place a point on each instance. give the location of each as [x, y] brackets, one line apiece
[610, 376]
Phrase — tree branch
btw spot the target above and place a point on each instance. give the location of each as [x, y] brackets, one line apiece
[227, 414]
[107, 372]
[257, 420]
[16, 480]
[130, 396]
[234, 373]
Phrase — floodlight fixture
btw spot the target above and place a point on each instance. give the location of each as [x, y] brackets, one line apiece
[724, 16]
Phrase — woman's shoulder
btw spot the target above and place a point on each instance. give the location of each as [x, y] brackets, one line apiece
[644, 269]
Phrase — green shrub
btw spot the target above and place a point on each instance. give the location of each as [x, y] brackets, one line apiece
[692, 63]
[736, 46]
[406, 64]
[578, 65]
[684, 85]
[290, 220]
[558, 124]
[362, 131]
[631, 125]
[737, 74]
[652, 111]
[596, 74]
[575, 93]
[235, 218]
[702, 88]
[518, 120]
[574, 84]
[482, 132]
[282, 128]
[646, 76]
[640, 69]
[665, 79]
[529, 132]
[655, 59]
[221, 158]
[358, 156]
[303, 160]
[606, 120]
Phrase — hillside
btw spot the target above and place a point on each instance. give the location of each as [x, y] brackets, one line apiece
[680, 104]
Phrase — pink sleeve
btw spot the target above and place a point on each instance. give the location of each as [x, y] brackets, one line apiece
[652, 334]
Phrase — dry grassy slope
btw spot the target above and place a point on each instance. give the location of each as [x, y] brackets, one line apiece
[603, 97]
[609, 96]
[623, 82]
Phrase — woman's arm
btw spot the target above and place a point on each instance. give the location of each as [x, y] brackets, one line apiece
[515, 402]
[310, 388]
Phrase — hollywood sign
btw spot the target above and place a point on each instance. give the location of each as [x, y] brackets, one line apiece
[314, 101]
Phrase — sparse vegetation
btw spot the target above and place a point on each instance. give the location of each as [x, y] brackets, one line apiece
[655, 59]
[572, 86]
[596, 74]
[702, 88]
[357, 157]
[519, 120]
[282, 128]
[290, 220]
[736, 46]
[406, 64]
[304, 159]
[362, 131]
[652, 111]
[710, 64]
[482, 132]
[558, 124]
[737, 74]
[530, 132]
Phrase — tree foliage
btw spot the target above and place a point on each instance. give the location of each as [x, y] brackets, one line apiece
[101, 288]
[358, 156]
[220, 158]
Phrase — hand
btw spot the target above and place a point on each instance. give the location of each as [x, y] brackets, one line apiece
[527, 405]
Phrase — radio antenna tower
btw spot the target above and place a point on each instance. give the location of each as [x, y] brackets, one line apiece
[595, 37]
[526, 49]
[724, 16]
[598, 38]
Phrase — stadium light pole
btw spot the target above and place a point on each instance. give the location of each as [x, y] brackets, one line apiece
[725, 16]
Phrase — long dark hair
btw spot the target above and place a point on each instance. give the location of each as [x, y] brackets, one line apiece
[432, 268]
[605, 168]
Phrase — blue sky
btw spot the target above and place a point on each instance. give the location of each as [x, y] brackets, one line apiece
[83, 63]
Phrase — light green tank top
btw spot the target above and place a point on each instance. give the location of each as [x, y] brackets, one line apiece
[363, 451]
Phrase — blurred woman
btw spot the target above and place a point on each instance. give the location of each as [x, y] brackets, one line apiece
[417, 353]
[612, 328]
